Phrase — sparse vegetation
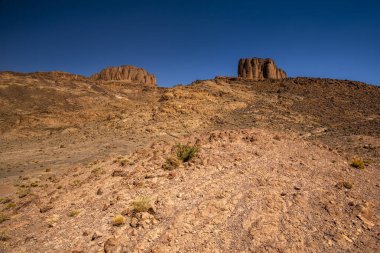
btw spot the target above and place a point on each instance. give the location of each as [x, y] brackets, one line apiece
[23, 193]
[74, 213]
[186, 152]
[9, 206]
[171, 163]
[3, 236]
[141, 204]
[358, 163]
[3, 217]
[5, 200]
[97, 171]
[76, 183]
[118, 220]
[123, 162]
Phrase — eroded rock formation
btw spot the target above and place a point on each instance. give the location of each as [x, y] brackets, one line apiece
[259, 69]
[126, 73]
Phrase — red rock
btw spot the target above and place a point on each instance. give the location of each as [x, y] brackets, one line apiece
[259, 69]
[126, 73]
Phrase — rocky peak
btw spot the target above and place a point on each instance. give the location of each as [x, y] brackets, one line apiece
[126, 73]
[259, 69]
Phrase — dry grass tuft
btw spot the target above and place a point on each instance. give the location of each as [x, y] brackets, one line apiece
[141, 204]
[358, 163]
[3, 217]
[118, 220]
[171, 163]
[3, 236]
[9, 205]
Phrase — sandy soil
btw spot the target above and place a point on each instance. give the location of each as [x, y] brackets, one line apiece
[273, 172]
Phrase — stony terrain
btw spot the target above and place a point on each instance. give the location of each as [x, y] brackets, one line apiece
[91, 166]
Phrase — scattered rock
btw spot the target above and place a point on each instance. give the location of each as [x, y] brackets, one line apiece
[367, 222]
[119, 173]
[96, 235]
[105, 207]
[77, 251]
[134, 222]
[112, 245]
[45, 209]
[99, 191]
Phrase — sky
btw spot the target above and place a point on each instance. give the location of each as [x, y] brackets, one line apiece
[182, 41]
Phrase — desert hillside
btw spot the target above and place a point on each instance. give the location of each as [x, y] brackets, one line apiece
[220, 165]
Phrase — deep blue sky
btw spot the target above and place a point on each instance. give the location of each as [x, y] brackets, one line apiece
[181, 41]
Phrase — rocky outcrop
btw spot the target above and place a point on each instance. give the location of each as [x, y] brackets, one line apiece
[126, 73]
[259, 69]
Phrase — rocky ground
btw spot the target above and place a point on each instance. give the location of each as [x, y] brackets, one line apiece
[92, 166]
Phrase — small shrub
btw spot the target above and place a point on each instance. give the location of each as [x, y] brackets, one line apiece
[24, 192]
[186, 152]
[171, 163]
[3, 217]
[9, 206]
[123, 162]
[3, 236]
[76, 183]
[358, 163]
[97, 171]
[141, 204]
[74, 213]
[118, 220]
[5, 200]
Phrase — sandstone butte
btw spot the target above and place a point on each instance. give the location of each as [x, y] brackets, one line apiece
[126, 73]
[259, 69]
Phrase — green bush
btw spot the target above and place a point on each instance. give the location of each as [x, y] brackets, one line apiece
[186, 152]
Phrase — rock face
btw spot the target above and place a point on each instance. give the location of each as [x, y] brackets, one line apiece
[126, 73]
[259, 69]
